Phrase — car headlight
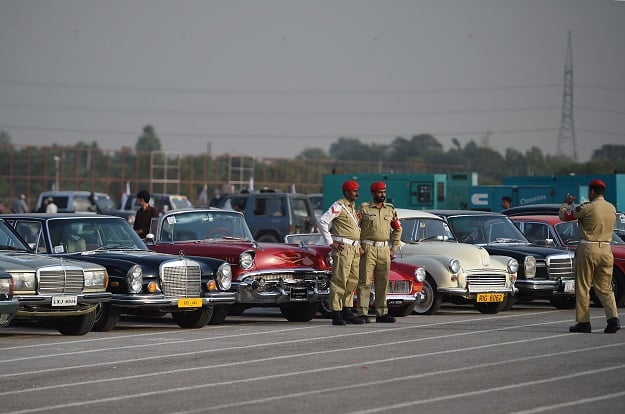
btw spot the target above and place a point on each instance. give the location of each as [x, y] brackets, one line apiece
[513, 266]
[246, 260]
[24, 280]
[134, 279]
[96, 278]
[454, 265]
[330, 260]
[6, 288]
[224, 276]
[530, 267]
[419, 274]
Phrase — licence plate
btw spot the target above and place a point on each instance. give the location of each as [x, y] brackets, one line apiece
[299, 294]
[64, 300]
[189, 302]
[490, 297]
[569, 286]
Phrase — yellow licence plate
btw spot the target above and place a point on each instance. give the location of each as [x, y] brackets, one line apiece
[189, 302]
[490, 297]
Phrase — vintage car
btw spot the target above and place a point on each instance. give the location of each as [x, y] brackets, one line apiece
[544, 272]
[456, 272]
[141, 282]
[293, 278]
[8, 304]
[405, 280]
[65, 292]
[550, 230]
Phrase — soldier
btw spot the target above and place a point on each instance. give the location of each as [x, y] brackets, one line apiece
[344, 239]
[378, 222]
[593, 256]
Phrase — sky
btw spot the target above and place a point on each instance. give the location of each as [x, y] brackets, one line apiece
[270, 78]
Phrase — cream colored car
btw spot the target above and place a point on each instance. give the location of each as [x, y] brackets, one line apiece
[456, 272]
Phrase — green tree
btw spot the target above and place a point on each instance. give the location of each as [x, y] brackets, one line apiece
[351, 149]
[148, 141]
[313, 154]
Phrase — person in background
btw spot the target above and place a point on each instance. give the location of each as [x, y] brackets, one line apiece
[19, 205]
[506, 202]
[345, 242]
[145, 214]
[51, 206]
[593, 256]
[378, 222]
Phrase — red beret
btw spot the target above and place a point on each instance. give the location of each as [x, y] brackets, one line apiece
[378, 186]
[597, 183]
[350, 185]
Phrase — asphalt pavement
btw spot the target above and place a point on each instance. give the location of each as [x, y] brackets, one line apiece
[519, 361]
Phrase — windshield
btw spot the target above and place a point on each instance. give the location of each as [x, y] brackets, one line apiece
[85, 234]
[423, 229]
[569, 234]
[485, 229]
[201, 225]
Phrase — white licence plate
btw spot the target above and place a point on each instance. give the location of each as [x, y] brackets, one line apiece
[64, 300]
[569, 286]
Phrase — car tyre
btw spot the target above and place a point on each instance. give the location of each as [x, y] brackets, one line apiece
[324, 309]
[76, 325]
[491, 307]
[106, 317]
[219, 314]
[299, 312]
[401, 311]
[433, 300]
[563, 302]
[193, 319]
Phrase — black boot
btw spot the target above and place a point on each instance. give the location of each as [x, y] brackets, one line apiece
[583, 327]
[349, 317]
[337, 318]
[613, 326]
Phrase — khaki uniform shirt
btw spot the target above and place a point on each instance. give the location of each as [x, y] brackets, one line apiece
[342, 215]
[375, 223]
[595, 219]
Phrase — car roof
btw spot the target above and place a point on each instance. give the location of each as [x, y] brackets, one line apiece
[40, 216]
[403, 213]
[548, 218]
[464, 213]
[533, 209]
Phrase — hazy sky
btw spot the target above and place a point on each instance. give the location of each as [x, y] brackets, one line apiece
[273, 77]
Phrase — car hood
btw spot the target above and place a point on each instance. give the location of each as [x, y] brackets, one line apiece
[522, 250]
[29, 261]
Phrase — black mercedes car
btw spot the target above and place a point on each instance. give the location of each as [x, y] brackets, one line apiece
[141, 281]
[544, 272]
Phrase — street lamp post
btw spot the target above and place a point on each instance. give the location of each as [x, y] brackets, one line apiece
[56, 166]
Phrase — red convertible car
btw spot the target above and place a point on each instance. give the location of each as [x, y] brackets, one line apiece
[550, 230]
[405, 280]
[294, 278]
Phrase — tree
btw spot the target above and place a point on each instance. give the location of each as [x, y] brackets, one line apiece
[148, 141]
[313, 154]
[351, 149]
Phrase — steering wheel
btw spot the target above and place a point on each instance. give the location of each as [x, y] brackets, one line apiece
[218, 231]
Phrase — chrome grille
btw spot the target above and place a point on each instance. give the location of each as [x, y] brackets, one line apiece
[561, 266]
[61, 279]
[399, 286]
[486, 281]
[285, 276]
[181, 278]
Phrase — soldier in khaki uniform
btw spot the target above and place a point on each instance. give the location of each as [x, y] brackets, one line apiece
[593, 256]
[344, 239]
[378, 222]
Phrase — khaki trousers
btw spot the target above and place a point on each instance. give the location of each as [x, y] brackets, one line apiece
[593, 266]
[344, 277]
[376, 262]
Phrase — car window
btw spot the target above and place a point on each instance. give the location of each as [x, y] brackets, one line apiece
[32, 234]
[568, 232]
[418, 229]
[300, 207]
[485, 229]
[77, 235]
[201, 225]
[536, 232]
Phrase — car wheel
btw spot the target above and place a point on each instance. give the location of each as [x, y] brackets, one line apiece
[324, 309]
[491, 307]
[193, 319]
[76, 325]
[236, 309]
[299, 312]
[510, 302]
[563, 302]
[219, 314]
[401, 311]
[106, 317]
[433, 300]
[618, 287]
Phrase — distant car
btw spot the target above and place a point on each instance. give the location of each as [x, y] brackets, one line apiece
[163, 202]
[272, 215]
[550, 230]
[293, 278]
[544, 272]
[69, 201]
[316, 201]
[405, 280]
[8, 304]
[66, 292]
[456, 272]
[141, 282]
[554, 208]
